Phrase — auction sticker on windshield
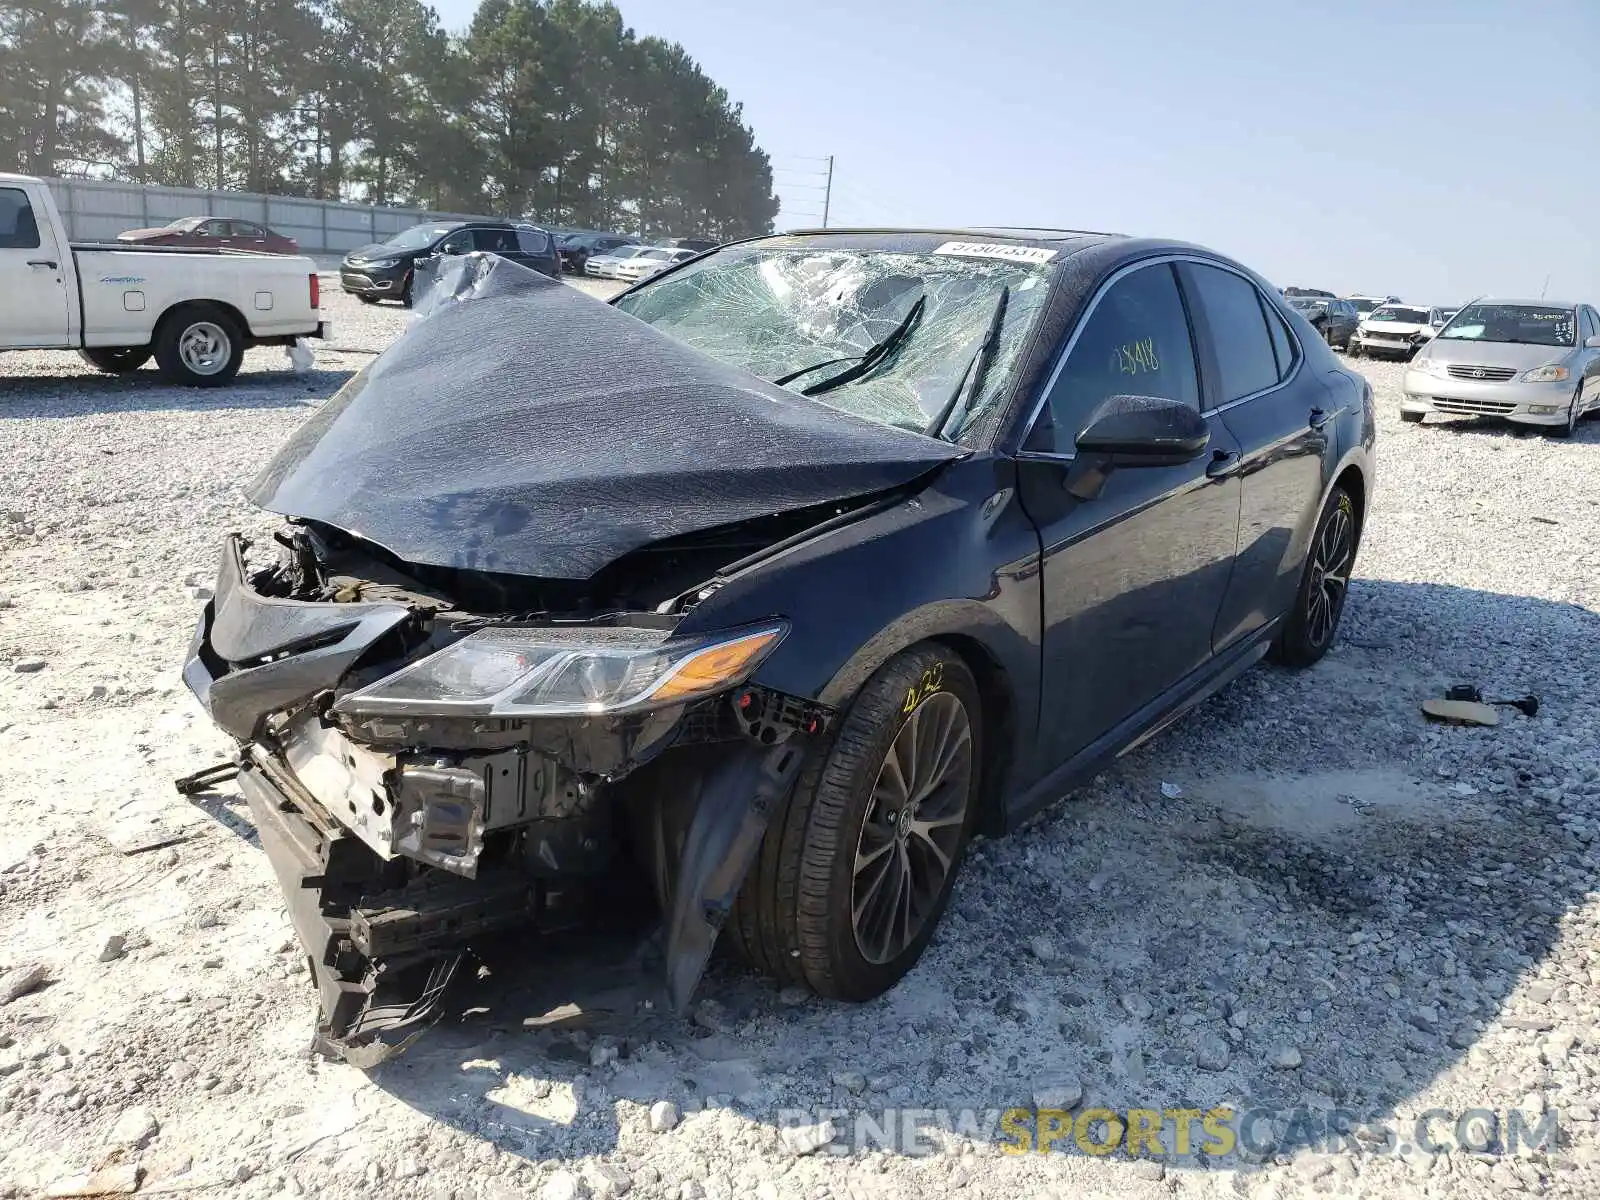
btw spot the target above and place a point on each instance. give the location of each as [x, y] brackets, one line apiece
[1026, 254]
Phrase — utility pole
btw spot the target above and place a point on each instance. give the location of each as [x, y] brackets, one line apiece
[827, 193]
[1542, 290]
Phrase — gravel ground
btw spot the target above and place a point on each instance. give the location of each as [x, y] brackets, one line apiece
[1301, 897]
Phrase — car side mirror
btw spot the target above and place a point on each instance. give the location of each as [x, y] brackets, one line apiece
[1593, 343]
[1145, 431]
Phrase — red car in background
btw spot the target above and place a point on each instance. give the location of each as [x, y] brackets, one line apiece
[214, 233]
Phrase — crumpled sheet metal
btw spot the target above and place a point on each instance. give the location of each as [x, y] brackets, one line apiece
[520, 426]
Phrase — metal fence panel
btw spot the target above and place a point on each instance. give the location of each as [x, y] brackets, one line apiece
[96, 210]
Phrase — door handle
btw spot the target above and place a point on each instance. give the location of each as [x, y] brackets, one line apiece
[41, 262]
[1223, 463]
[1318, 418]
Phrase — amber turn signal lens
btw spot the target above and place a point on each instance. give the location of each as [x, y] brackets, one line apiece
[715, 667]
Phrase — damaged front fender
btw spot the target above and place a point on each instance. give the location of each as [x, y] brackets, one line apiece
[730, 814]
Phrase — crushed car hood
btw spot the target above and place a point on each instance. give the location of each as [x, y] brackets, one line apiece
[520, 426]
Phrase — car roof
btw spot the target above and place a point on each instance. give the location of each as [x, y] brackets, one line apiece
[1018, 235]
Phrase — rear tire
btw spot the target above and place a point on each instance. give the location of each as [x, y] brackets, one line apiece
[117, 360]
[199, 345]
[812, 910]
[1353, 348]
[1324, 584]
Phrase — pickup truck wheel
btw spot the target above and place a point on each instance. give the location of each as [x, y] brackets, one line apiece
[117, 360]
[199, 346]
[1324, 583]
[857, 865]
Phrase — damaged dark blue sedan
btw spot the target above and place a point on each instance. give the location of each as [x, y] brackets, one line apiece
[760, 589]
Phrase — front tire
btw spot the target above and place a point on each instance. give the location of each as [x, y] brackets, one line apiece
[1571, 427]
[199, 345]
[1411, 418]
[117, 360]
[858, 864]
[1324, 584]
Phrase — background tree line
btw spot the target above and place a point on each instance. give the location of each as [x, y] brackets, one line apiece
[552, 109]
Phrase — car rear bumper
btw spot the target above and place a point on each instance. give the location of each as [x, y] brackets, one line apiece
[1512, 401]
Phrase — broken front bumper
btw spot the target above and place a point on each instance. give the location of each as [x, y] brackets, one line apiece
[399, 847]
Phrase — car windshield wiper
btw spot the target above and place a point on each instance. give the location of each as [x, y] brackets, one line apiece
[972, 378]
[872, 357]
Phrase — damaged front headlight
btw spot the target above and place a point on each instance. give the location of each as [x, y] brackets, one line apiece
[565, 672]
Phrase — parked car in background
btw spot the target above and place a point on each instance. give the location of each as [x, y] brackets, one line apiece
[1391, 330]
[1292, 291]
[649, 261]
[1334, 319]
[1532, 361]
[214, 233]
[604, 266]
[1439, 317]
[932, 526]
[577, 249]
[195, 311]
[1366, 304]
[388, 270]
[695, 244]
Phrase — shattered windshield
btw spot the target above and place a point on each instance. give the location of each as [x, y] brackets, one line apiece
[1528, 324]
[1406, 316]
[812, 317]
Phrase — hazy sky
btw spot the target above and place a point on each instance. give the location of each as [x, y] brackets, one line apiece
[1436, 151]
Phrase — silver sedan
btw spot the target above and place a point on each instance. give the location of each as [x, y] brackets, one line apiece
[1532, 361]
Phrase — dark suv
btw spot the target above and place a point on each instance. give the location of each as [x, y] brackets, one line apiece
[1334, 319]
[577, 248]
[388, 270]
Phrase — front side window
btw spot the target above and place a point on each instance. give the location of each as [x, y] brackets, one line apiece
[213, 229]
[1521, 324]
[19, 230]
[459, 242]
[807, 314]
[1134, 343]
[1246, 360]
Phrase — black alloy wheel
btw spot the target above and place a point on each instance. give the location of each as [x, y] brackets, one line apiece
[913, 830]
[1324, 584]
[858, 862]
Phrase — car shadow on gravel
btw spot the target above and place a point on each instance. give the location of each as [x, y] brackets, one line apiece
[32, 397]
[1302, 898]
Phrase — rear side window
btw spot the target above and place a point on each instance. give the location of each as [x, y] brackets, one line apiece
[1283, 348]
[18, 228]
[1239, 334]
[1135, 342]
[533, 241]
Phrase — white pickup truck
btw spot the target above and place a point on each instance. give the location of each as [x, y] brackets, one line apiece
[195, 311]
